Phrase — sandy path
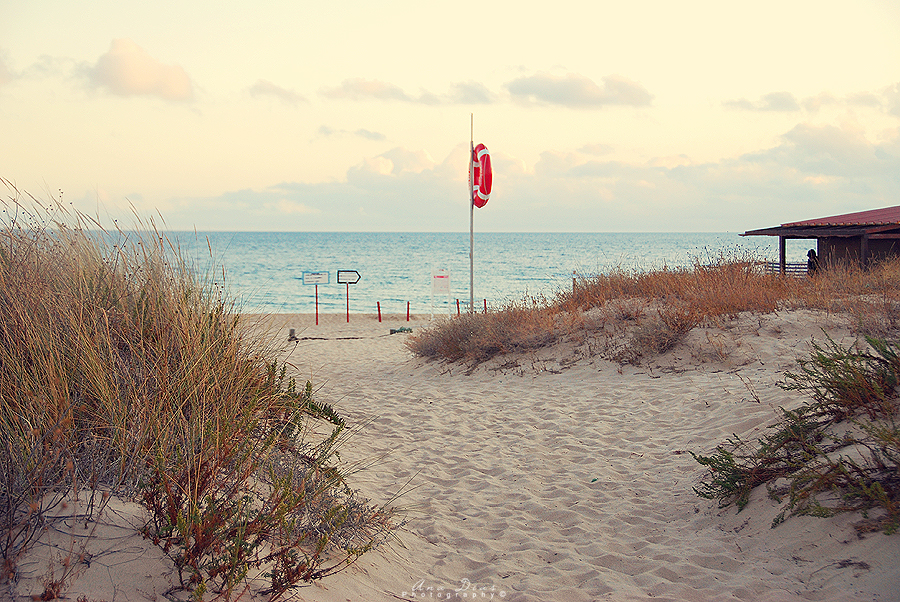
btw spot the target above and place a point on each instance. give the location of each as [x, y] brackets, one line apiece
[575, 484]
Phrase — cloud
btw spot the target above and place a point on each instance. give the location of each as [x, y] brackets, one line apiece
[788, 103]
[830, 150]
[329, 132]
[127, 70]
[266, 88]
[578, 91]
[821, 100]
[774, 101]
[813, 170]
[860, 99]
[358, 89]
[374, 172]
[470, 93]
[370, 135]
[363, 89]
[892, 94]
[864, 99]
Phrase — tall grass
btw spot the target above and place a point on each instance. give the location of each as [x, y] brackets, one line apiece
[121, 371]
[643, 313]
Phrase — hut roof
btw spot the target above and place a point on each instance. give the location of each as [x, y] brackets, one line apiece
[873, 217]
[859, 223]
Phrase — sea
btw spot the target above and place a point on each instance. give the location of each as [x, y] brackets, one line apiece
[305, 272]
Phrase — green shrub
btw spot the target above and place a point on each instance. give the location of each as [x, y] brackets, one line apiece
[848, 382]
[824, 473]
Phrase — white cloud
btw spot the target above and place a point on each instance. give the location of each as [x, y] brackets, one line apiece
[865, 99]
[831, 151]
[358, 89]
[577, 91]
[405, 160]
[266, 88]
[813, 170]
[470, 93]
[774, 101]
[362, 89]
[892, 94]
[328, 132]
[370, 135]
[385, 170]
[820, 101]
[127, 70]
[788, 103]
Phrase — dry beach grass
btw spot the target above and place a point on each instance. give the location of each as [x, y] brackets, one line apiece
[647, 312]
[122, 375]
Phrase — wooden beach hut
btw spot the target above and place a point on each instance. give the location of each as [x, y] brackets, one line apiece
[860, 237]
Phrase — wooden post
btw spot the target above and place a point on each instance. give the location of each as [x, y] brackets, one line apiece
[864, 251]
[781, 255]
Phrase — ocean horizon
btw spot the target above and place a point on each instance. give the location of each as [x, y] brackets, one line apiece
[263, 272]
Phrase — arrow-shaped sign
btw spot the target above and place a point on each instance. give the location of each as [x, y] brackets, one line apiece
[347, 276]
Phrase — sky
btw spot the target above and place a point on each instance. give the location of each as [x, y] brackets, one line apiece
[355, 115]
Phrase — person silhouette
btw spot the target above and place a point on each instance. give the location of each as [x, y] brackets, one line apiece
[812, 262]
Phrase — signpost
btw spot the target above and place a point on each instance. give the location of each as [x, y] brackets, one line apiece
[440, 285]
[348, 277]
[316, 278]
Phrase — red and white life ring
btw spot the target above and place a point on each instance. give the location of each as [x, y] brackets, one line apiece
[482, 176]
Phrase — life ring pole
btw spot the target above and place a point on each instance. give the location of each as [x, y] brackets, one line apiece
[471, 211]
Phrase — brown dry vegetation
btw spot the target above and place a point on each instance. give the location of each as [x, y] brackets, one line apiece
[123, 373]
[635, 314]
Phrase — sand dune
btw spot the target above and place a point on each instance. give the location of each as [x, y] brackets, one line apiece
[560, 476]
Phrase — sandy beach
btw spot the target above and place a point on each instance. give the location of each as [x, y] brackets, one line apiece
[553, 475]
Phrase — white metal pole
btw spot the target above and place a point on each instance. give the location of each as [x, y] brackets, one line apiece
[471, 213]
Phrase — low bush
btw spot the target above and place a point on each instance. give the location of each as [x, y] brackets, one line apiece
[477, 337]
[821, 469]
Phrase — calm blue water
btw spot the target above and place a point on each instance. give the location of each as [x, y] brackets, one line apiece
[263, 271]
